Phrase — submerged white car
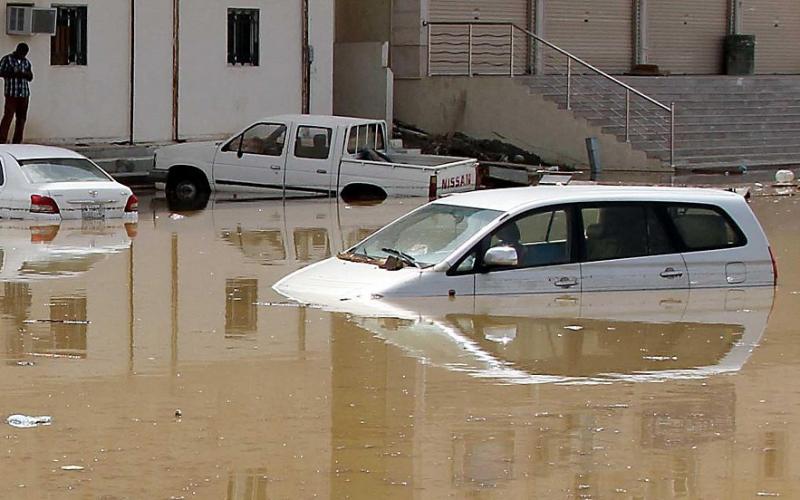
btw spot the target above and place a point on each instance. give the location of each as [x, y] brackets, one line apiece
[50, 183]
[550, 239]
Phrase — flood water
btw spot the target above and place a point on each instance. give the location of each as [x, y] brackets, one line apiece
[172, 370]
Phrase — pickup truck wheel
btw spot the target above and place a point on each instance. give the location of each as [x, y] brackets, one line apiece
[186, 189]
[363, 193]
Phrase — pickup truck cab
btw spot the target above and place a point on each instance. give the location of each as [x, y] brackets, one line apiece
[309, 155]
[550, 239]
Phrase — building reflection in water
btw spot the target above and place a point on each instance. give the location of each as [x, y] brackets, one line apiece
[483, 460]
[68, 328]
[15, 305]
[249, 484]
[260, 245]
[311, 244]
[241, 312]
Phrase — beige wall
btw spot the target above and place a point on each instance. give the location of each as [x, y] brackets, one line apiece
[92, 103]
[363, 83]
[363, 21]
[501, 108]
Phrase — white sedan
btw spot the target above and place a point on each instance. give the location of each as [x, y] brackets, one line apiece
[50, 183]
[550, 239]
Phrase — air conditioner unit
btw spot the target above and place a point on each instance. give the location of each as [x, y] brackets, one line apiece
[24, 20]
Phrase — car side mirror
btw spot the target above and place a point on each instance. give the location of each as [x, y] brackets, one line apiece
[501, 256]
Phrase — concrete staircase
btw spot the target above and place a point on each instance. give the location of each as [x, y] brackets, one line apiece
[721, 121]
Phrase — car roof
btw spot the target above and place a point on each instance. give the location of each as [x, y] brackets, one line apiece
[515, 199]
[321, 120]
[36, 152]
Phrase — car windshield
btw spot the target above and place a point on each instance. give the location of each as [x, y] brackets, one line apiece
[61, 170]
[427, 236]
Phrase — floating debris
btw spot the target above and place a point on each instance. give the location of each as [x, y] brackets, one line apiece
[176, 216]
[660, 358]
[57, 321]
[574, 328]
[72, 467]
[26, 421]
[25, 363]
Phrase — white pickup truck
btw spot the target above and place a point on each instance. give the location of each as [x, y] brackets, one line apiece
[302, 155]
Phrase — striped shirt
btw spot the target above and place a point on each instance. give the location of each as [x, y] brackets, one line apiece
[15, 86]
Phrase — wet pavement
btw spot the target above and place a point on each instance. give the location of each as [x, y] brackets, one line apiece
[172, 370]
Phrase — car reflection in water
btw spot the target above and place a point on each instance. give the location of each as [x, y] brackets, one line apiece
[31, 252]
[581, 338]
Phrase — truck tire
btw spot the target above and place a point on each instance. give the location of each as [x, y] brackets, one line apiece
[185, 184]
[363, 193]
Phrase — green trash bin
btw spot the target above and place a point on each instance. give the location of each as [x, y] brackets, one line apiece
[740, 54]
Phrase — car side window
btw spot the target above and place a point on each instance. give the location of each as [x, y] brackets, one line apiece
[365, 137]
[705, 228]
[540, 239]
[266, 139]
[622, 232]
[313, 142]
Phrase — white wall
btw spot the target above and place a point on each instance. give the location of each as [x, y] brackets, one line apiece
[217, 98]
[321, 35]
[77, 103]
[92, 103]
[153, 106]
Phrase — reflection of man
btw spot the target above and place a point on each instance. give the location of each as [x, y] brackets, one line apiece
[15, 69]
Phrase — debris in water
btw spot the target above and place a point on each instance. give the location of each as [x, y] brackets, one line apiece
[574, 328]
[178, 413]
[57, 321]
[279, 304]
[25, 363]
[26, 421]
[72, 467]
[176, 216]
[767, 494]
[660, 358]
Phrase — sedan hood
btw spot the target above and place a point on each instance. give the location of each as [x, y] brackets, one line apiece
[333, 281]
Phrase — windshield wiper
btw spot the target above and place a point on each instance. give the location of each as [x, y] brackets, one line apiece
[402, 256]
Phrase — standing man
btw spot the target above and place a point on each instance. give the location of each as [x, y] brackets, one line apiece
[15, 69]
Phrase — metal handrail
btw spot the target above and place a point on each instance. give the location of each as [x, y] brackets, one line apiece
[570, 57]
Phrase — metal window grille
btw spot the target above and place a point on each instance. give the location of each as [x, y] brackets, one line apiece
[68, 46]
[243, 36]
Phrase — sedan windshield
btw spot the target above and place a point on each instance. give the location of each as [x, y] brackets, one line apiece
[61, 170]
[426, 237]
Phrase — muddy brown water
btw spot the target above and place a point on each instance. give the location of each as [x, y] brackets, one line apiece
[172, 370]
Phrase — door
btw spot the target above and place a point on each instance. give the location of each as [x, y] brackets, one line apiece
[253, 160]
[776, 25]
[600, 33]
[626, 246]
[714, 246]
[543, 245]
[310, 166]
[687, 36]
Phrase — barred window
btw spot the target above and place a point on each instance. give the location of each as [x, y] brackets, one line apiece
[68, 45]
[243, 37]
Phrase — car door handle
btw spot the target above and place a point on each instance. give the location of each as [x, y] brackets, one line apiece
[671, 273]
[322, 171]
[275, 167]
[565, 282]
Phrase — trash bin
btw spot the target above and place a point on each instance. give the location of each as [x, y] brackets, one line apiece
[740, 52]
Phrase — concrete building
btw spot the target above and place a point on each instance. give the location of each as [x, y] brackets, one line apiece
[451, 73]
[140, 71]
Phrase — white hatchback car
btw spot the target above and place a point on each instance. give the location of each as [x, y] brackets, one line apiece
[550, 239]
[49, 183]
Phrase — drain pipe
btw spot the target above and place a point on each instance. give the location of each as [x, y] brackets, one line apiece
[132, 96]
[176, 27]
[306, 60]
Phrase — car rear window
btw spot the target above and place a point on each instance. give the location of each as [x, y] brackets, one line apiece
[705, 228]
[61, 170]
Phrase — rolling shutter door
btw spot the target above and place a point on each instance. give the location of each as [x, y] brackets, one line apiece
[491, 46]
[599, 32]
[687, 36]
[776, 25]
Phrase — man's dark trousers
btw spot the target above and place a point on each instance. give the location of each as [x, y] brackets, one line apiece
[15, 106]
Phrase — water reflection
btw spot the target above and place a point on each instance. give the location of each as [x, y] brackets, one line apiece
[31, 250]
[241, 315]
[530, 339]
